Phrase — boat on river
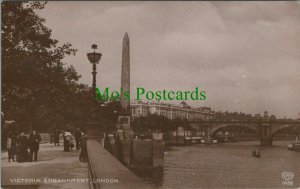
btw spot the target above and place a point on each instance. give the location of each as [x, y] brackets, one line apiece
[295, 146]
[209, 140]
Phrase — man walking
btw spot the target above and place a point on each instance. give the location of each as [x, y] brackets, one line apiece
[56, 137]
[77, 136]
[34, 145]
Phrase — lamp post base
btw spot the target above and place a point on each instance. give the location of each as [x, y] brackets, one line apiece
[93, 131]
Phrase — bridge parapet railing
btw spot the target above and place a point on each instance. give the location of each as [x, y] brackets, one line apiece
[231, 121]
[286, 121]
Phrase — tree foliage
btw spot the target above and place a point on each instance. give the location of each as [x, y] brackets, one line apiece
[178, 122]
[109, 115]
[38, 89]
[151, 123]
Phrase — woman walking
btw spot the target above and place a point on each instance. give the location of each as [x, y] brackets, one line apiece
[11, 146]
[22, 146]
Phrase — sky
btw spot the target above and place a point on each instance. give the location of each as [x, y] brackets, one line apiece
[245, 55]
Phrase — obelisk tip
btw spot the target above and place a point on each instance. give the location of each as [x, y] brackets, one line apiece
[126, 35]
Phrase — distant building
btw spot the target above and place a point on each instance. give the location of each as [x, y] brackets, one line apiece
[171, 111]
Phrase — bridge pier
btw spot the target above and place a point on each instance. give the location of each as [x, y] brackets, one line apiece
[266, 138]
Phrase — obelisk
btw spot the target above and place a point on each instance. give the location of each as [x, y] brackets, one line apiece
[124, 130]
[124, 116]
[125, 77]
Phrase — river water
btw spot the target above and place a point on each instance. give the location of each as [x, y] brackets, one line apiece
[230, 165]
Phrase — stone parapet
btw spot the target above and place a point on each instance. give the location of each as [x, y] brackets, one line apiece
[105, 167]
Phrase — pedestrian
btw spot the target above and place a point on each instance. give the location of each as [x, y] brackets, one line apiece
[56, 137]
[83, 150]
[22, 148]
[11, 146]
[77, 136]
[71, 139]
[51, 136]
[66, 137]
[34, 145]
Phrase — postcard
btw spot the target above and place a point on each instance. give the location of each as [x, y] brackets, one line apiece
[150, 94]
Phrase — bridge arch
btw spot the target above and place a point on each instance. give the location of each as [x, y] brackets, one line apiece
[216, 128]
[276, 129]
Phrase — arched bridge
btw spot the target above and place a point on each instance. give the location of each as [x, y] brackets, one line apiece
[265, 128]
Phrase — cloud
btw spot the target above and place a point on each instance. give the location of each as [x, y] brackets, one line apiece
[244, 54]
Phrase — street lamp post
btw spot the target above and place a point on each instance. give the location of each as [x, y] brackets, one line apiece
[92, 126]
[94, 59]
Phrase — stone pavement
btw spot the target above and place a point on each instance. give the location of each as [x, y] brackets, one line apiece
[54, 169]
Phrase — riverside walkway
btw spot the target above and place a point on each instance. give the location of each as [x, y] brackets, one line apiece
[63, 170]
[54, 169]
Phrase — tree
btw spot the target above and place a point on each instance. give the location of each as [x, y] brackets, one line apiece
[178, 122]
[109, 115]
[151, 123]
[38, 89]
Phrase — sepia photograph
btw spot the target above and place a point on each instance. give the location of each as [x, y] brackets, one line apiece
[150, 94]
